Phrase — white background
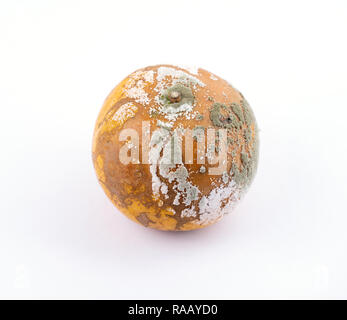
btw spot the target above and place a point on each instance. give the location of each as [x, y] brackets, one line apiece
[60, 237]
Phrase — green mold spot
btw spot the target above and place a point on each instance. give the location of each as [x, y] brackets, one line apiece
[232, 116]
[244, 158]
[247, 135]
[230, 140]
[222, 116]
[199, 117]
[249, 162]
[238, 111]
[247, 111]
[153, 113]
[236, 117]
[236, 175]
[186, 96]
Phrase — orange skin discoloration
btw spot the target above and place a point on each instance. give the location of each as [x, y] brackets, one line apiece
[129, 187]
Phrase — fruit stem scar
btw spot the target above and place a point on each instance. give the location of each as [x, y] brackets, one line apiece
[175, 96]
